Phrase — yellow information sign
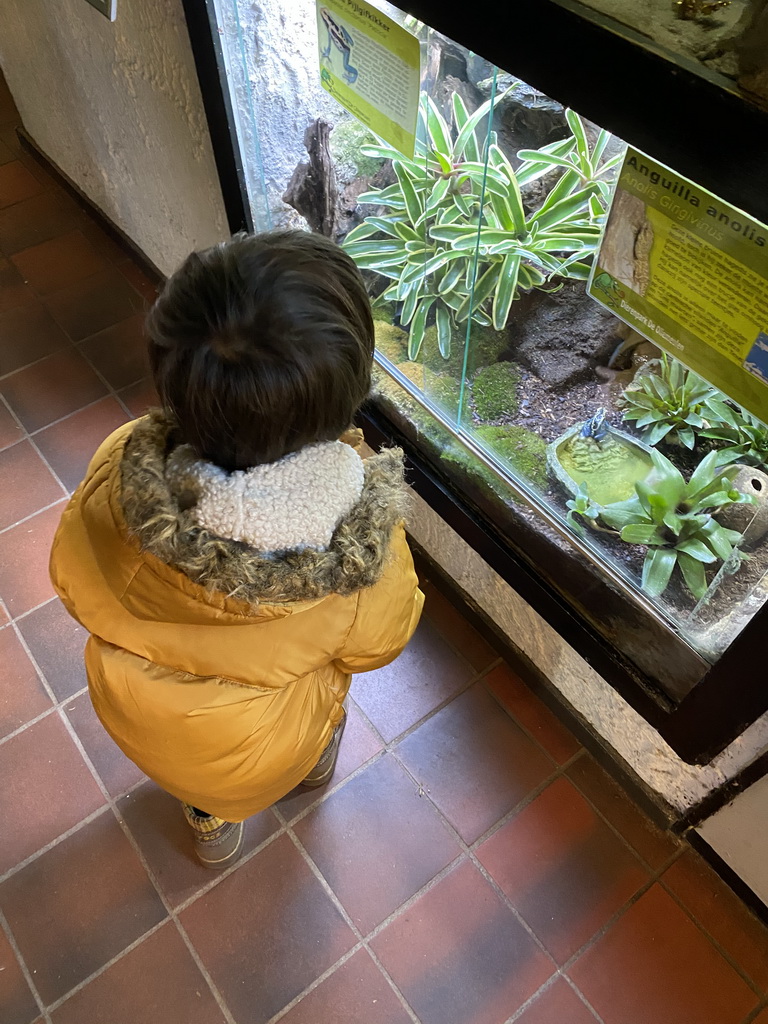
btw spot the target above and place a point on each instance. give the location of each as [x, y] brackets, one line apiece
[371, 65]
[690, 273]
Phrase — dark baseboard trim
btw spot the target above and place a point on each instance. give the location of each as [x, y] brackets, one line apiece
[746, 894]
[649, 802]
[108, 226]
[717, 798]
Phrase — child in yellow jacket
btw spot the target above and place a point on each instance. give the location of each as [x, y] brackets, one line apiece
[232, 557]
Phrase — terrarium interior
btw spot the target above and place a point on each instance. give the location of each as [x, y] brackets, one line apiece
[546, 410]
[726, 37]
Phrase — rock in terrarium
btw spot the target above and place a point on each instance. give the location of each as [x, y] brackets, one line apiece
[705, 30]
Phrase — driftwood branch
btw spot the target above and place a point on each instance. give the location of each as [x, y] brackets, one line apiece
[312, 189]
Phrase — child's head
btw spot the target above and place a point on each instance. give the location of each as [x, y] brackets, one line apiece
[261, 345]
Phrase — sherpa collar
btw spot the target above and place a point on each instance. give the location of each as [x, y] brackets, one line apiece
[288, 505]
[166, 528]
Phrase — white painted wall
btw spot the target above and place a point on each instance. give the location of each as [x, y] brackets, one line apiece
[117, 107]
[271, 48]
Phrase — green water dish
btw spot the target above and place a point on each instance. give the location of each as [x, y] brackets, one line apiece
[607, 461]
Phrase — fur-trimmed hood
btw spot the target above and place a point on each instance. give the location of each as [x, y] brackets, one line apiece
[355, 558]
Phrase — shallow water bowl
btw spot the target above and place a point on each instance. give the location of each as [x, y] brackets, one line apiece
[609, 467]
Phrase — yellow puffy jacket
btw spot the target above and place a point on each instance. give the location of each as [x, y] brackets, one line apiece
[218, 671]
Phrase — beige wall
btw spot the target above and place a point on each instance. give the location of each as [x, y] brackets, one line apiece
[118, 108]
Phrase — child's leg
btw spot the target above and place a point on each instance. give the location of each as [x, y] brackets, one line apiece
[323, 770]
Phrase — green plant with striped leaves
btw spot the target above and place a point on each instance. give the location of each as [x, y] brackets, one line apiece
[455, 238]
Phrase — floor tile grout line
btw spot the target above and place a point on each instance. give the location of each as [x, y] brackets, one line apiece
[111, 392]
[122, 824]
[22, 640]
[577, 991]
[221, 876]
[524, 728]
[316, 983]
[58, 704]
[34, 362]
[22, 864]
[32, 441]
[391, 748]
[46, 508]
[363, 939]
[470, 849]
[57, 1003]
[366, 720]
[510, 906]
[322, 798]
[713, 941]
[204, 972]
[23, 615]
[395, 988]
[173, 913]
[454, 646]
[4, 403]
[131, 416]
[390, 744]
[636, 897]
[72, 696]
[466, 854]
[616, 831]
[533, 794]
[78, 346]
[27, 725]
[558, 975]
[6, 929]
[68, 416]
[545, 986]
[110, 388]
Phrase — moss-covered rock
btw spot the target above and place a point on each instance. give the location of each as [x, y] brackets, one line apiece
[438, 388]
[494, 391]
[428, 427]
[391, 341]
[347, 138]
[485, 346]
[457, 458]
[384, 310]
[525, 451]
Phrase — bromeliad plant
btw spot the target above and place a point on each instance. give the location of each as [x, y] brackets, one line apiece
[675, 521]
[742, 436]
[674, 404]
[457, 241]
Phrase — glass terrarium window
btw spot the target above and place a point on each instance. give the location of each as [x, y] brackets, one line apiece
[607, 462]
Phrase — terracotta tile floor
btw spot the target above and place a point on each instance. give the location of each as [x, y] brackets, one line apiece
[469, 862]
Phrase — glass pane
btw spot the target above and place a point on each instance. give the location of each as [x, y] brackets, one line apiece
[576, 436]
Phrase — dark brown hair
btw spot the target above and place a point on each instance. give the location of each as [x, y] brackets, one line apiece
[261, 345]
